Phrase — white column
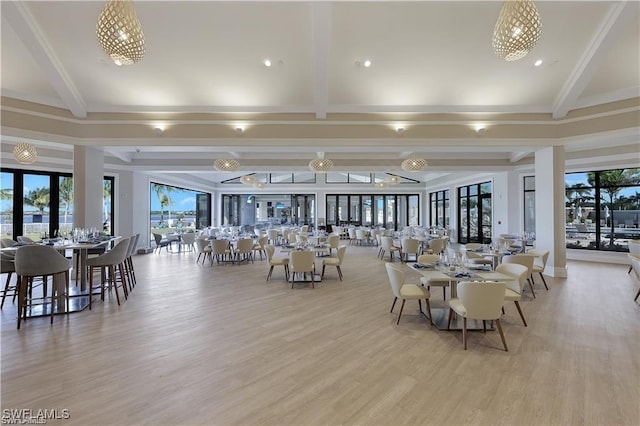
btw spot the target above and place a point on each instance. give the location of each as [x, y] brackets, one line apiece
[550, 216]
[88, 176]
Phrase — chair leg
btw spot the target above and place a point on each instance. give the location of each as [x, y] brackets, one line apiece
[464, 332]
[520, 312]
[6, 288]
[504, 342]
[322, 274]
[449, 320]
[400, 314]
[544, 281]
[393, 304]
[637, 295]
[339, 272]
[531, 287]
[420, 306]
[429, 311]
[270, 271]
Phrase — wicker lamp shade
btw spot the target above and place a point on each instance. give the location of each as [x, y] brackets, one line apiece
[517, 30]
[226, 165]
[381, 185]
[414, 164]
[25, 153]
[259, 185]
[248, 180]
[320, 165]
[119, 32]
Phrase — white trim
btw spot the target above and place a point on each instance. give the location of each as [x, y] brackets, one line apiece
[598, 256]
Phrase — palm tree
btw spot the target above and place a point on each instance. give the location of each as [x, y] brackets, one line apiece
[106, 196]
[164, 201]
[160, 191]
[577, 196]
[66, 194]
[611, 183]
[38, 198]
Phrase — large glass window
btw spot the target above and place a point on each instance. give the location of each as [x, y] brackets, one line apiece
[34, 203]
[389, 211]
[602, 209]
[475, 213]
[177, 209]
[265, 210]
[529, 204]
[439, 208]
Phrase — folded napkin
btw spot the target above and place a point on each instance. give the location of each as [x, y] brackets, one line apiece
[462, 275]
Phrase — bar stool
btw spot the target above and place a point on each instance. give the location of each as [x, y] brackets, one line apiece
[39, 260]
[113, 262]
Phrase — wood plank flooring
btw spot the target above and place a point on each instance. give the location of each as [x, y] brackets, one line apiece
[218, 345]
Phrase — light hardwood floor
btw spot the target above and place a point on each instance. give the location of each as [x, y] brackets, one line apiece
[218, 345]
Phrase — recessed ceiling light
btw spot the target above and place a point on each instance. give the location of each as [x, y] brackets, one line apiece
[267, 63]
[367, 63]
[538, 63]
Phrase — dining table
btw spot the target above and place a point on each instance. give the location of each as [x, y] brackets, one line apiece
[454, 275]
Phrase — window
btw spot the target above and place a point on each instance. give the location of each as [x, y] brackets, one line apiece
[389, 211]
[264, 210]
[173, 208]
[474, 213]
[529, 204]
[602, 209]
[439, 208]
[35, 203]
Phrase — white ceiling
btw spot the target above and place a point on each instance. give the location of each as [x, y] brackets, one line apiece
[429, 59]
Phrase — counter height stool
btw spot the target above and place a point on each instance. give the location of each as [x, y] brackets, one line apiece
[40, 260]
[113, 263]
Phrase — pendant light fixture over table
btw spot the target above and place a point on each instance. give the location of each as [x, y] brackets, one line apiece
[517, 29]
[226, 165]
[25, 153]
[119, 32]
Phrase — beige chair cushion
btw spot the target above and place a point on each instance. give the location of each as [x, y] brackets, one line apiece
[511, 296]
[458, 307]
[432, 283]
[413, 291]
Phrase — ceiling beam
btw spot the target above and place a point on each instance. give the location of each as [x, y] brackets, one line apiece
[27, 29]
[612, 27]
[320, 39]
[517, 156]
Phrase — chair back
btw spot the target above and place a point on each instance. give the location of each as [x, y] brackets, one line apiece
[201, 245]
[410, 245]
[396, 279]
[293, 238]
[520, 259]
[428, 259]
[262, 241]
[35, 260]
[301, 261]
[360, 234]
[333, 241]
[437, 245]
[272, 234]
[7, 242]
[189, 238]
[540, 258]
[341, 251]
[483, 300]
[157, 237]
[635, 264]
[519, 274]
[305, 229]
[114, 256]
[634, 246]
[24, 240]
[245, 245]
[472, 246]
[387, 243]
[269, 249]
[132, 246]
[352, 233]
[219, 246]
[7, 263]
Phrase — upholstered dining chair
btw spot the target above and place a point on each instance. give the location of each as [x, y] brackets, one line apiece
[476, 258]
[335, 261]
[302, 262]
[272, 236]
[409, 246]
[406, 291]
[352, 235]
[40, 260]
[332, 242]
[273, 262]
[436, 245]
[221, 250]
[187, 241]
[539, 263]
[203, 249]
[480, 301]
[24, 240]
[387, 246]
[112, 271]
[430, 259]
[259, 246]
[513, 292]
[244, 250]
[161, 242]
[522, 259]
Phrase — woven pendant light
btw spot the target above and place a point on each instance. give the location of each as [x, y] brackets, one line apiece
[414, 164]
[119, 32]
[517, 29]
[226, 165]
[25, 153]
[321, 165]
